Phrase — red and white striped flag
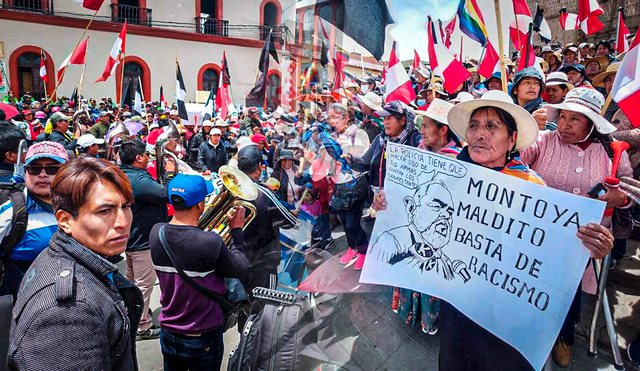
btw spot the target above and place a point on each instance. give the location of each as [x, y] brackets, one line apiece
[116, 55]
[588, 12]
[519, 28]
[626, 86]
[43, 67]
[444, 63]
[622, 44]
[568, 21]
[90, 4]
[78, 56]
[416, 61]
[398, 84]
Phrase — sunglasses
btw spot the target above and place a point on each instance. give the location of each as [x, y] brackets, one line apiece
[36, 170]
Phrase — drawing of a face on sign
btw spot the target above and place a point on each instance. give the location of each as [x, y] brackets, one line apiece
[420, 244]
[430, 210]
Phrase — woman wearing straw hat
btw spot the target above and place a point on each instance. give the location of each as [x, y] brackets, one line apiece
[553, 59]
[496, 129]
[573, 159]
[593, 66]
[603, 82]
[414, 307]
[558, 86]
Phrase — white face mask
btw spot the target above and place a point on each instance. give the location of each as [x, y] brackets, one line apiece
[365, 89]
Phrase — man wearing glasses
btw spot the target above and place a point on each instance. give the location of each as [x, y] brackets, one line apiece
[42, 163]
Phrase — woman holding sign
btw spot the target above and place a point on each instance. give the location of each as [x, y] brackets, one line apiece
[495, 129]
[574, 159]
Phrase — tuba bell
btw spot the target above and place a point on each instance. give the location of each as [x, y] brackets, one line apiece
[236, 189]
[120, 131]
[170, 132]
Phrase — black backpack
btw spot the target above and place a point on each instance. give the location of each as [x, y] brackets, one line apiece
[15, 193]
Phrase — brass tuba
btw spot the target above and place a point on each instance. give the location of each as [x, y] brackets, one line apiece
[120, 131]
[237, 189]
[170, 132]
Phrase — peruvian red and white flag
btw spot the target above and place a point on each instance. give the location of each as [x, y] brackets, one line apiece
[519, 28]
[398, 84]
[383, 80]
[443, 63]
[116, 54]
[43, 67]
[90, 4]
[622, 44]
[626, 86]
[78, 56]
[416, 61]
[568, 21]
[489, 61]
[588, 12]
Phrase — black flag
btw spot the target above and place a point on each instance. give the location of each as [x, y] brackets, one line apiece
[126, 98]
[258, 91]
[181, 91]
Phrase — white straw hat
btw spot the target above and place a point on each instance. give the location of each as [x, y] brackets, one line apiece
[558, 78]
[587, 101]
[527, 127]
[372, 100]
[437, 110]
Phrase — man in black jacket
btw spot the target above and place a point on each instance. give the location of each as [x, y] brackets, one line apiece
[150, 207]
[196, 141]
[212, 154]
[60, 127]
[74, 310]
[262, 236]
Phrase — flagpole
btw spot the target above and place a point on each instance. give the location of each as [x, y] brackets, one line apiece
[461, 41]
[606, 104]
[564, 37]
[618, 29]
[84, 66]
[121, 76]
[475, 75]
[503, 73]
[58, 81]
[517, 23]
[528, 50]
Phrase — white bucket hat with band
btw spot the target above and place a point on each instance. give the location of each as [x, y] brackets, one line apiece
[372, 100]
[587, 101]
[459, 116]
[437, 110]
[558, 78]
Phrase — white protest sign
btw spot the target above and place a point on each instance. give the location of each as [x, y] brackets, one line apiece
[500, 249]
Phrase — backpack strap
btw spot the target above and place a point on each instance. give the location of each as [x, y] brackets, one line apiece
[19, 220]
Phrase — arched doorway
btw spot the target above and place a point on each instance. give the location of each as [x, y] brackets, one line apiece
[273, 90]
[132, 74]
[210, 79]
[29, 80]
[270, 16]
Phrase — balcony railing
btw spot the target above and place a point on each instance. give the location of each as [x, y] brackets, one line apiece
[277, 34]
[210, 26]
[133, 14]
[40, 6]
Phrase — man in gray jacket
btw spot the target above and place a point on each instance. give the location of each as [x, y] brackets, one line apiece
[74, 310]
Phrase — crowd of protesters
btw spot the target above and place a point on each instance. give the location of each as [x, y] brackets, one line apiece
[74, 310]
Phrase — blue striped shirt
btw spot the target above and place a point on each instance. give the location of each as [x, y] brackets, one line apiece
[40, 227]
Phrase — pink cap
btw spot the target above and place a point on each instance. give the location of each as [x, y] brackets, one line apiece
[55, 109]
[40, 115]
[51, 150]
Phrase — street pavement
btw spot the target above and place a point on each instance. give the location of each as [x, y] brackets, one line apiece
[370, 336]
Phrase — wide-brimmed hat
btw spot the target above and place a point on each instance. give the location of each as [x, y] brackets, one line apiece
[587, 101]
[598, 81]
[221, 122]
[437, 110]
[602, 61]
[372, 100]
[558, 78]
[423, 71]
[462, 96]
[459, 116]
[351, 84]
[570, 47]
[439, 88]
[555, 54]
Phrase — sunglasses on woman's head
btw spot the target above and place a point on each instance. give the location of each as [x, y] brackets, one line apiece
[36, 170]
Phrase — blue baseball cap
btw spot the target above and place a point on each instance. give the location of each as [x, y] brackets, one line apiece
[191, 188]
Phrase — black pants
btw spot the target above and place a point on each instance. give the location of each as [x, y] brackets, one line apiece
[619, 248]
[267, 278]
[356, 236]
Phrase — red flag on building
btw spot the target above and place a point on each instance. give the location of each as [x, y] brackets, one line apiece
[489, 61]
[222, 98]
[398, 84]
[43, 68]
[626, 86]
[116, 54]
[444, 63]
[622, 44]
[78, 56]
[588, 12]
[90, 4]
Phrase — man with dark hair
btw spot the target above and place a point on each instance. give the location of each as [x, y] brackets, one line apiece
[74, 310]
[253, 118]
[10, 137]
[212, 154]
[150, 207]
[192, 323]
[101, 128]
[60, 124]
[262, 235]
[42, 162]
